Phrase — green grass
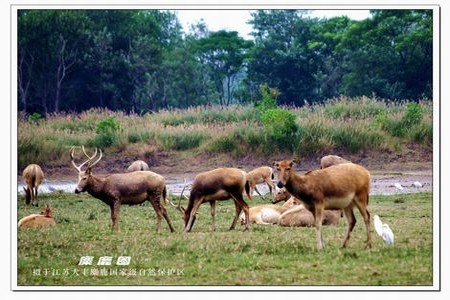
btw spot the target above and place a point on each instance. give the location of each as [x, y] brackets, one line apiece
[266, 255]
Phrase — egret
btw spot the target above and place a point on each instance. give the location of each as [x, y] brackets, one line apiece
[378, 225]
[399, 186]
[388, 235]
[417, 184]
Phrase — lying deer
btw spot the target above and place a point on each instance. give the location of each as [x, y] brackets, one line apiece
[341, 186]
[127, 188]
[44, 219]
[33, 177]
[299, 216]
[269, 213]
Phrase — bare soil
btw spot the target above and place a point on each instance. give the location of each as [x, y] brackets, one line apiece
[387, 168]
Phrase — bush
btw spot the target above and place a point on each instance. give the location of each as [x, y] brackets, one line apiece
[182, 140]
[268, 100]
[280, 127]
[107, 131]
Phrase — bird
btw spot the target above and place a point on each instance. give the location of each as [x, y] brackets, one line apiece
[383, 230]
[388, 235]
[378, 225]
[399, 186]
[417, 184]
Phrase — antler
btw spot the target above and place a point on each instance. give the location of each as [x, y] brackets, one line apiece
[90, 158]
[179, 207]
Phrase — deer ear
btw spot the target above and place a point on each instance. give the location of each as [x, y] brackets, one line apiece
[88, 171]
[291, 163]
[275, 164]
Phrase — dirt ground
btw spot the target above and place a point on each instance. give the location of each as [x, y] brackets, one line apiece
[386, 169]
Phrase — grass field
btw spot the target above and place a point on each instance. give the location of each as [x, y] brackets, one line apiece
[266, 255]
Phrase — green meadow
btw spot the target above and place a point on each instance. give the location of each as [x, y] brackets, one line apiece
[265, 255]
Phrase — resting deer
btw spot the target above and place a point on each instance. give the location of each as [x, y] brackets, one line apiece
[33, 177]
[127, 188]
[269, 213]
[341, 186]
[44, 219]
[299, 216]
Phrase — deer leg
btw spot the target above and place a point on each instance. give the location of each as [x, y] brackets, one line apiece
[236, 216]
[318, 216]
[192, 215]
[34, 196]
[270, 185]
[241, 205]
[258, 192]
[361, 203]
[213, 214]
[351, 220]
[115, 209]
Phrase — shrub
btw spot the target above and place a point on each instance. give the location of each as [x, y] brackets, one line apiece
[280, 127]
[107, 131]
[268, 100]
[182, 140]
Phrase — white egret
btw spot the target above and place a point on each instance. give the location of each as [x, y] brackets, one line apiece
[417, 184]
[388, 235]
[399, 186]
[377, 224]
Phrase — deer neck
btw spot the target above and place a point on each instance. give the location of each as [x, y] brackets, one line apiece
[96, 186]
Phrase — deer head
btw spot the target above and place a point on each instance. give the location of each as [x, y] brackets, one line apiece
[84, 176]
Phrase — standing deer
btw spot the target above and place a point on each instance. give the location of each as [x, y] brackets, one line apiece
[215, 185]
[341, 186]
[260, 175]
[33, 177]
[127, 188]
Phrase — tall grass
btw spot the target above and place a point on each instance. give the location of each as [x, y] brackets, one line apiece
[342, 124]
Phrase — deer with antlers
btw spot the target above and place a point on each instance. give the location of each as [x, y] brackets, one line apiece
[127, 188]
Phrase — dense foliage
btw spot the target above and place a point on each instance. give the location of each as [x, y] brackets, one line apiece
[141, 60]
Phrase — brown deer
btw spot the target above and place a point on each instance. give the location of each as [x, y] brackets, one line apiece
[260, 175]
[127, 188]
[299, 216]
[138, 165]
[331, 160]
[341, 186]
[33, 177]
[44, 219]
[268, 213]
[216, 185]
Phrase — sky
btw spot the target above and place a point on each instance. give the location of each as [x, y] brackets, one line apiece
[236, 20]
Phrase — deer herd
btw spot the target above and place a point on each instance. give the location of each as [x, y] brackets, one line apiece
[315, 198]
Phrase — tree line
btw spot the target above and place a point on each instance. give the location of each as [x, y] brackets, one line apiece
[142, 60]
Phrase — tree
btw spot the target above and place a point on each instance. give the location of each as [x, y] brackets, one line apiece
[281, 56]
[224, 52]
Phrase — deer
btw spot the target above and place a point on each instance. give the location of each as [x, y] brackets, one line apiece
[331, 160]
[341, 186]
[216, 185]
[260, 175]
[122, 188]
[138, 165]
[299, 216]
[268, 213]
[44, 219]
[33, 177]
